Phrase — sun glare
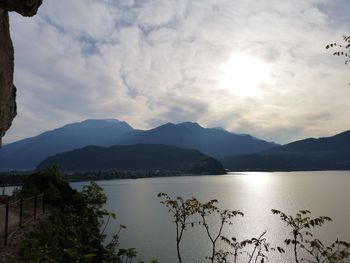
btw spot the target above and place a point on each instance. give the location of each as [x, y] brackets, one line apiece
[243, 74]
[257, 179]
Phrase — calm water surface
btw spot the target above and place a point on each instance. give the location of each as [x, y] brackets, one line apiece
[151, 232]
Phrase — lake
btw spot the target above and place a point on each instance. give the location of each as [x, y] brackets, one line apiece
[149, 227]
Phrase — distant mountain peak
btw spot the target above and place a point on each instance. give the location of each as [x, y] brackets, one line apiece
[89, 123]
[191, 125]
[102, 120]
[168, 124]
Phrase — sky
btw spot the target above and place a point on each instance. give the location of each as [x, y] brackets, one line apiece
[250, 66]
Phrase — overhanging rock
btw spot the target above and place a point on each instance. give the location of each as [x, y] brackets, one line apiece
[7, 89]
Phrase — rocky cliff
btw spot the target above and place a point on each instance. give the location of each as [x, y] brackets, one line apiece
[7, 89]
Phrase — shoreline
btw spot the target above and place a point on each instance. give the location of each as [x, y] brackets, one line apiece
[7, 178]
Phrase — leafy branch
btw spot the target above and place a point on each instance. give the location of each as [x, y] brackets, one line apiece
[345, 48]
[181, 210]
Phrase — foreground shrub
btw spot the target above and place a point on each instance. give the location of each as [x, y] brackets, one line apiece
[49, 181]
[72, 233]
[306, 248]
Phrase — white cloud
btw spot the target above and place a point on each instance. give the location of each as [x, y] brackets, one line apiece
[149, 62]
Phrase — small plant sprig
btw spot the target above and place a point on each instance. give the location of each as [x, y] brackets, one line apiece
[337, 252]
[301, 225]
[261, 248]
[225, 218]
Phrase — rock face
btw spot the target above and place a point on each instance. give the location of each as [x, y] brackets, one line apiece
[23, 7]
[7, 89]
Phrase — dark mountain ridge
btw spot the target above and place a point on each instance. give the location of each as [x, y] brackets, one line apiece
[339, 142]
[140, 157]
[326, 153]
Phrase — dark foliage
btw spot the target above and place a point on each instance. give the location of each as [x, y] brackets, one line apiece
[72, 233]
[49, 181]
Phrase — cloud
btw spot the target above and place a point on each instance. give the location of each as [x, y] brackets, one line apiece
[156, 61]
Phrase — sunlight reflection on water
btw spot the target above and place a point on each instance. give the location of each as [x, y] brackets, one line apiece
[257, 179]
[255, 193]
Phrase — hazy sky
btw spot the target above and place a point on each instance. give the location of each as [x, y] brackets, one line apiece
[257, 67]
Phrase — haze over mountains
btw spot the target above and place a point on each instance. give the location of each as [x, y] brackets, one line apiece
[28, 153]
[329, 153]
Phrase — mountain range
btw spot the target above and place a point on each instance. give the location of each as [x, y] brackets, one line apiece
[26, 154]
[328, 153]
[236, 151]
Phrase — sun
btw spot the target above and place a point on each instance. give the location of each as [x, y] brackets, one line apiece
[243, 74]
